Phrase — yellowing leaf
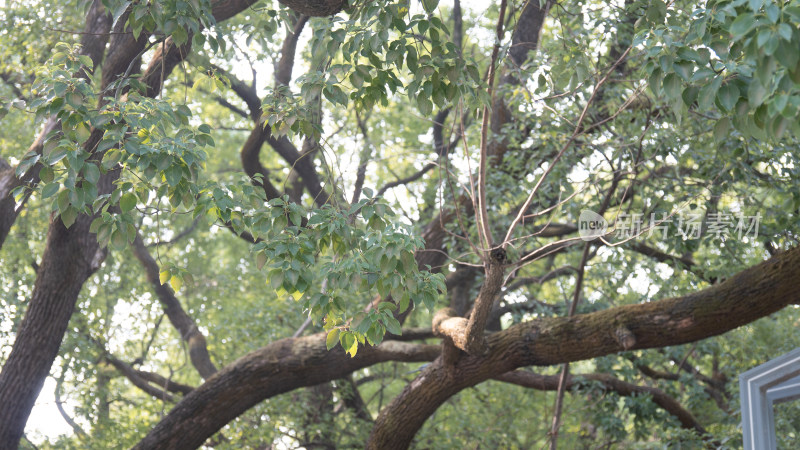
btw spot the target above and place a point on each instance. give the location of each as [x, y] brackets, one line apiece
[176, 283]
[353, 348]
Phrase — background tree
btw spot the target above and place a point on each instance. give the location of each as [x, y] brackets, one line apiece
[320, 196]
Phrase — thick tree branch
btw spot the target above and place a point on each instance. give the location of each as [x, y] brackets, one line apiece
[753, 293]
[280, 367]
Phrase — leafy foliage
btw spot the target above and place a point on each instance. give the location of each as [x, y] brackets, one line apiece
[699, 117]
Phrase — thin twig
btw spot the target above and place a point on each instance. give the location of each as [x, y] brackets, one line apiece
[564, 147]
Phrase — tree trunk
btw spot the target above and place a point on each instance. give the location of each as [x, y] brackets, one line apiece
[70, 257]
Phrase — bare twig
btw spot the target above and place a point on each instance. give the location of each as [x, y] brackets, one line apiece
[564, 148]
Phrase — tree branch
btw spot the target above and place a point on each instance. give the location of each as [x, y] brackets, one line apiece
[753, 293]
[198, 353]
[280, 367]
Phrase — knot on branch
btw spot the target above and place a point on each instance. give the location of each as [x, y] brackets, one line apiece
[498, 256]
[625, 338]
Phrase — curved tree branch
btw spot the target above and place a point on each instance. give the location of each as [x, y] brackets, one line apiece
[753, 293]
[280, 367]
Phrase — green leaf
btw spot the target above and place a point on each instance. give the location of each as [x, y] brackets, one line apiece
[111, 158]
[118, 13]
[91, 173]
[684, 69]
[118, 240]
[276, 278]
[335, 94]
[173, 175]
[473, 73]
[708, 93]
[392, 325]
[779, 126]
[332, 339]
[672, 86]
[261, 259]
[743, 24]
[430, 5]
[63, 200]
[656, 11]
[46, 174]
[721, 129]
[756, 93]
[82, 132]
[50, 189]
[728, 95]
[127, 202]
[425, 106]
[163, 276]
[787, 55]
[68, 216]
[411, 59]
[353, 348]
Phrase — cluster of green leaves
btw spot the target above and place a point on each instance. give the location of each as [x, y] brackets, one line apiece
[180, 19]
[365, 59]
[737, 57]
[151, 138]
[287, 113]
[325, 257]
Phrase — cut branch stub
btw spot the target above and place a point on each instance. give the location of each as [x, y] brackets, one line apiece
[447, 324]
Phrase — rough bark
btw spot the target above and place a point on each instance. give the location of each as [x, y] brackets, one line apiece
[70, 257]
[315, 8]
[291, 363]
[225, 9]
[490, 289]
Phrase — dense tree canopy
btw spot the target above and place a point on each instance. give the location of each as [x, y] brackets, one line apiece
[382, 224]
